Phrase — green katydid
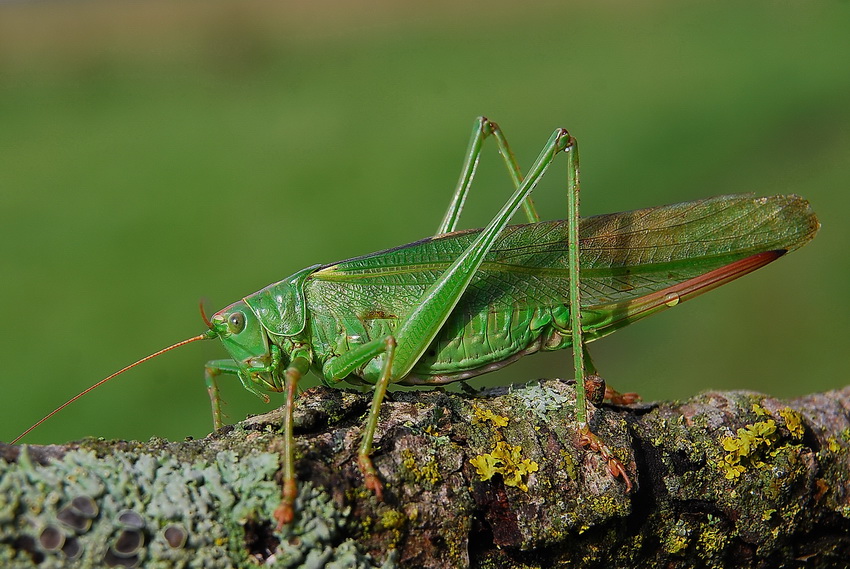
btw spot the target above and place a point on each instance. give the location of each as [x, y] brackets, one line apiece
[463, 303]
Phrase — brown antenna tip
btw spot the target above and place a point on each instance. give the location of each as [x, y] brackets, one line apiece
[204, 336]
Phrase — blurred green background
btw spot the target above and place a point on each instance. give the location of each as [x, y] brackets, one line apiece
[155, 153]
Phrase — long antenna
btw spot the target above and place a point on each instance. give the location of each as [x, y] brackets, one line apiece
[205, 336]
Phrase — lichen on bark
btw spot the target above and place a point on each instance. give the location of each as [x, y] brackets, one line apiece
[496, 479]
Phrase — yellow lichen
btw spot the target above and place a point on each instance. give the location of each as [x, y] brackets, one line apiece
[569, 465]
[746, 449]
[408, 459]
[506, 460]
[677, 541]
[712, 540]
[483, 415]
[486, 465]
[393, 519]
[833, 445]
[429, 472]
[426, 471]
[793, 422]
[760, 441]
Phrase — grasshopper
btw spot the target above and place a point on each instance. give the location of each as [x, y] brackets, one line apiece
[463, 303]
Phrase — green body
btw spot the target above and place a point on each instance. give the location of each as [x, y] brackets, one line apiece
[518, 302]
[463, 303]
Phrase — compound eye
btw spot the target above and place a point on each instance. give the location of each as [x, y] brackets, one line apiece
[236, 322]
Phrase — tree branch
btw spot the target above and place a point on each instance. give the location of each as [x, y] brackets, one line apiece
[497, 479]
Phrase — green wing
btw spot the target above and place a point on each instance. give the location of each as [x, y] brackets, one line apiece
[632, 263]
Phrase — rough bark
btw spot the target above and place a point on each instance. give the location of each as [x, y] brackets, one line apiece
[497, 479]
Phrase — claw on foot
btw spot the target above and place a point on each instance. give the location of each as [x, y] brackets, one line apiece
[590, 441]
[370, 477]
[284, 515]
[618, 398]
[285, 512]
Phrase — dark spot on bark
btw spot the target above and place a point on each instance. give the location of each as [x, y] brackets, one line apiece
[260, 541]
[682, 463]
[175, 535]
[27, 543]
[491, 498]
[72, 548]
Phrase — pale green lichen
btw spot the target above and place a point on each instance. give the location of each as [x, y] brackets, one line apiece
[540, 400]
[222, 504]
